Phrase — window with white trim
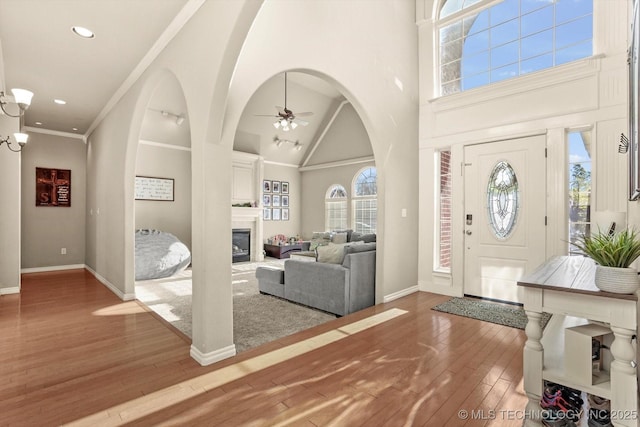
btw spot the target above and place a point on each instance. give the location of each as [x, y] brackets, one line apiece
[579, 187]
[443, 213]
[335, 208]
[483, 42]
[365, 201]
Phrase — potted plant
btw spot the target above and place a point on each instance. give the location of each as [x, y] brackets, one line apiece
[613, 254]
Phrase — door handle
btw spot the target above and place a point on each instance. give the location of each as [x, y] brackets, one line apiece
[468, 232]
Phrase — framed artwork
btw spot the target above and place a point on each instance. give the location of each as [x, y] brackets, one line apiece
[275, 200]
[275, 214]
[53, 187]
[275, 186]
[284, 201]
[285, 214]
[266, 214]
[266, 186]
[152, 188]
[266, 199]
[284, 187]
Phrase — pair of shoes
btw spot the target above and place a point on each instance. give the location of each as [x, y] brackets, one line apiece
[599, 411]
[556, 419]
[561, 403]
[598, 402]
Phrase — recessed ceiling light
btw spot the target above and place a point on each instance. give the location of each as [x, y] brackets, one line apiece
[75, 128]
[59, 101]
[39, 123]
[83, 32]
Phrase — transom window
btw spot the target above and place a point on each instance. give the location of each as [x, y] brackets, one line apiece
[335, 216]
[365, 202]
[482, 45]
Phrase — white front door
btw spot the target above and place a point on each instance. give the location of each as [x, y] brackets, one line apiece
[505, 207]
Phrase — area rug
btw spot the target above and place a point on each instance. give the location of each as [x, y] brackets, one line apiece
[502, 314]
[257, 318]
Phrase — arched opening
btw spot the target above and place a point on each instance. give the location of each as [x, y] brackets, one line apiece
[326, 145]
[162, 203]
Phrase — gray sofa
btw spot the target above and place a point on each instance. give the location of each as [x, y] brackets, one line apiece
[335, 288]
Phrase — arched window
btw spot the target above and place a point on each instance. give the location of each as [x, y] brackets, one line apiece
[365, 201]
[335, 208]
[483, 42]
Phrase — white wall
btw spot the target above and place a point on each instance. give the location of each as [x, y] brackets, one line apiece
[171, 216]
[47, 229]
[587, 93]
[10, 184]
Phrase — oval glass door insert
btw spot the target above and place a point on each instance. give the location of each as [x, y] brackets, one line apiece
[502, 199]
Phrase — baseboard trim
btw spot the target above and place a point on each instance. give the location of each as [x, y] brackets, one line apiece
[400, 294]
[9, 291]
[206, 359]
[111, 286]
[52, 268]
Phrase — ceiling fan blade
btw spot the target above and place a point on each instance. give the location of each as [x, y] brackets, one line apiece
[305, 114]
[265, 115]
[300, 122]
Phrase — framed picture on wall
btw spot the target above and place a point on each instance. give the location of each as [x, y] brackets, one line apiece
[285, 214]
[266, 214]
[275, 214]
[275, 200]
[266, 200]
[275, 186]
[266, 186]
[284, 201]
[53, 187]
[284, 187]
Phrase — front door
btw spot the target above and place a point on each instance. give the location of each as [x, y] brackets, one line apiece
[505, 207]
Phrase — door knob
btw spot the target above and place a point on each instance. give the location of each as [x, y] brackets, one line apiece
[468, 232]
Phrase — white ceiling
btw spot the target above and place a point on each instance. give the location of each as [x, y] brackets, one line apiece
[39, 52]
[42, 54]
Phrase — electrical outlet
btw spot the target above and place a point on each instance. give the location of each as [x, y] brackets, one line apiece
[63, 251]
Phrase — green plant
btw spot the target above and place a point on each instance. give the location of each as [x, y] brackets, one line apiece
[617, 250]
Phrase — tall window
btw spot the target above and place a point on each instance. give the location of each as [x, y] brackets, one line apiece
[335, 208]
[579, 187]
[365, 202]
[483, 42]
[443, 231]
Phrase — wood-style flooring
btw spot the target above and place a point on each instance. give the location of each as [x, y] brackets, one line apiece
[71, 352]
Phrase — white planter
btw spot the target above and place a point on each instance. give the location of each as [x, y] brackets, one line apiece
[617, 280]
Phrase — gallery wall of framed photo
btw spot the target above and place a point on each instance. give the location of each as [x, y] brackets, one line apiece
[275, 200]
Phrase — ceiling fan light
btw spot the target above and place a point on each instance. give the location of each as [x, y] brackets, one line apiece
[283, 122]
[286, 128]
[294, 125]
[276, 124]
[22, 97]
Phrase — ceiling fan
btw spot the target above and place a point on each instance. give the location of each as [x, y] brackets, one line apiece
[286, 119]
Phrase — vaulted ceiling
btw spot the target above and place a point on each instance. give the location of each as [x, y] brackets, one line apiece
[40, 52]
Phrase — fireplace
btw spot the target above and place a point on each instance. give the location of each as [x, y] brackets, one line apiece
[241, 239]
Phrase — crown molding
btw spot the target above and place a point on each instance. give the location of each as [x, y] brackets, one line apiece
[56, 133]
[337, 164]
[164, 145]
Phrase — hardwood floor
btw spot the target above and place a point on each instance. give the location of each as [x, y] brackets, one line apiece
[72, 353]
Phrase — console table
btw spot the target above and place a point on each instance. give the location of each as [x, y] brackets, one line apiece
[280, 252]
[564, 286]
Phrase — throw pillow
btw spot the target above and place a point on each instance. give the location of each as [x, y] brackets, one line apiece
[332, 253]
[319, 239]
[339, 238]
